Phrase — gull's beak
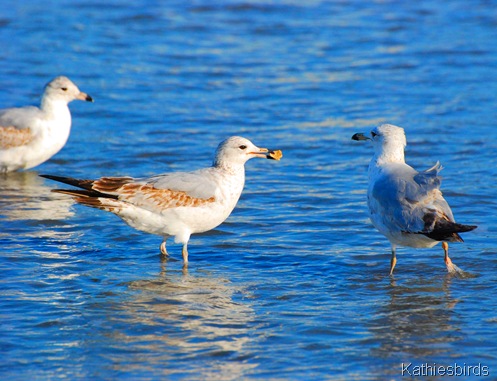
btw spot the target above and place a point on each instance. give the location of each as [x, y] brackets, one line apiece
[84, 97]
[360, 136]
[260, 152]
[267, 154]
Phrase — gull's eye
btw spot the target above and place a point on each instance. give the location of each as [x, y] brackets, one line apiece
[242, 147]
[373, 134]
[64, 88]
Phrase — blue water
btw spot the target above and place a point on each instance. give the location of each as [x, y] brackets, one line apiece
[294, 285]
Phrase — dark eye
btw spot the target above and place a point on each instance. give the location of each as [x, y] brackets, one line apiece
[373, 134]
[64, 88]
[243, 147]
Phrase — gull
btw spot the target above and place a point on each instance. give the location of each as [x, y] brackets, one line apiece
[178, 204]
[405, 205]
[31, 135]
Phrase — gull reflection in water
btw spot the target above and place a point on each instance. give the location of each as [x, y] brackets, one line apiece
[185, 325]
[416, 324]
[28, 210]
[24, 196]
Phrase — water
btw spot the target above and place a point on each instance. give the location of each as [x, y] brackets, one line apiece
[294, 285]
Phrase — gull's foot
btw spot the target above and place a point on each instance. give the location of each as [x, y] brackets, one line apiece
[453, 270]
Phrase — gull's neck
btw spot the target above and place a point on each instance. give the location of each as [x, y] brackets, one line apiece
[233, 169]
[233, 177]
[55, 108]
[388, 153]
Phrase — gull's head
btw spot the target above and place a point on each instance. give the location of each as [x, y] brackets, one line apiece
[388, 140]
[62, 88]
[237, 150]
[388, 136]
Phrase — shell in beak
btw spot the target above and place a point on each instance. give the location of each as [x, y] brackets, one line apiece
[275, 155]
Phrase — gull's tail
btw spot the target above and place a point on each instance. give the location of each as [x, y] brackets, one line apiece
[444, 230]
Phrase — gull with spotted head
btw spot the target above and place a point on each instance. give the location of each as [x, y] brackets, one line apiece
[405, 205]
[178, 204]
[31, 135]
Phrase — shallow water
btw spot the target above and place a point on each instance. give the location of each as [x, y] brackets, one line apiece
[294, 284]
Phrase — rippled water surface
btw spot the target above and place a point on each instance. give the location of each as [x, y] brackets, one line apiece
[294, 284]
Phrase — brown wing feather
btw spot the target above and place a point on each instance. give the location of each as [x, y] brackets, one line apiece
[163, 198]
[144, 194]
[126, 190]
[111, 184]
[11, 137]
[91, 198]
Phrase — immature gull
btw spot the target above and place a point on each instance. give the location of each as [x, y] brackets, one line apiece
[177, 204]
[405, 205]
[31, 135]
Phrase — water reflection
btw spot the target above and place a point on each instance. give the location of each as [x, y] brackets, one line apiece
[416, 324]
[30, 217]
[190, 322]
[24, 196]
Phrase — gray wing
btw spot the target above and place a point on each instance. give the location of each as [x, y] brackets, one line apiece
[425, 182]
[21, 117]
[429, 183]
[198, 184]
[156, 194]
[404, 197]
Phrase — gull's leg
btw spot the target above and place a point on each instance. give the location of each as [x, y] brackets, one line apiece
[393, 260]
[445, 246]
[163, 249]
[185, 254]
[448, 262]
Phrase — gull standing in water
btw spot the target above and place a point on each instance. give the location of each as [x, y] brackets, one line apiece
[405, 205]
[31, 135]
[178, 204]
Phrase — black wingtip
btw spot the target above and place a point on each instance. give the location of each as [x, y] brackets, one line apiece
[84, 184]
[51, 177]
[62, 179]
[470, 227]
[449, 231]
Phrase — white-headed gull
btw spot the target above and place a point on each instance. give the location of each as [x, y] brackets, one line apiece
[178, 204]
[31, 135]
[405, 205]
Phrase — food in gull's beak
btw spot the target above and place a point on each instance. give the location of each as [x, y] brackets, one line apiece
[275, 155]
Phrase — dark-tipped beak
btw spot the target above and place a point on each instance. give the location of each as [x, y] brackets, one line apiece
[84, 97]
[360, 136]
